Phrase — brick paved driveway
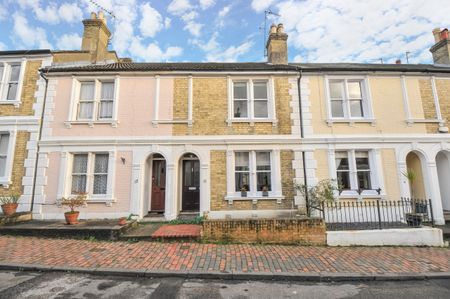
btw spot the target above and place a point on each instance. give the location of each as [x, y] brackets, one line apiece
[212, 257]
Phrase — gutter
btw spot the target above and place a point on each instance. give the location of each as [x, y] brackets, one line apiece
[302, 135]
[41, 124]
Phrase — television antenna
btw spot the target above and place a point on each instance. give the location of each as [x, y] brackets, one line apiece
[109, 12]
[407, 56]
[266, 17]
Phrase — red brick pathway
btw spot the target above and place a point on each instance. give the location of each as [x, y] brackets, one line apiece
[213, 257]
[178, 231]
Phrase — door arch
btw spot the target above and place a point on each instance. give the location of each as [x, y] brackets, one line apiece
[415, 176]
[190, 183]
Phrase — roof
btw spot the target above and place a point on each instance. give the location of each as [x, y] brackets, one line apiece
[25, 52]
[249, 66]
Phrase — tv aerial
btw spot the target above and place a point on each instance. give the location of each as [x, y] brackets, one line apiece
[267, 13]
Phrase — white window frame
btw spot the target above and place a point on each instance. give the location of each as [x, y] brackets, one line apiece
[253, 194]
[4, 82]
[367, 117]
[5, 180]
[65, 183]
[376, 170]
[271, 109]
[72, 118]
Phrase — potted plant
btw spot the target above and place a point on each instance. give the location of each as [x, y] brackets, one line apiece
[265, 191]
[414, 219]
[244, 191]
[122, 221]
[9, 204]
[72, 203]
[318, 195]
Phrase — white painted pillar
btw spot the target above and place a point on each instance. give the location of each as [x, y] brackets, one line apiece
[170, 212]
[405, 190]
[136, 194]
[204, 188]
[276, 178]
[432, 181]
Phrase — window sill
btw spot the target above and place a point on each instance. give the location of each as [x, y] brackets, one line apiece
[362, 196]
[425, 121]
[351, 121]
[4, 182]
[172, 121]
[15, 103]
[255, 199]
[252, 121]
[91, 124]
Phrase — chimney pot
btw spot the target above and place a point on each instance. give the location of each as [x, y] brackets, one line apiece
[101, 16]
[280, 28]
[444, 34]
[398, 61]
[273, 29]
[93, 15]
[277, 52]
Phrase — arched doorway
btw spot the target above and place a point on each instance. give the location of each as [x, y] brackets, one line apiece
[443, 169]
[190, 183]
[156, 184]
[414, 175]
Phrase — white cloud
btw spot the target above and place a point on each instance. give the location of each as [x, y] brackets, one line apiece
[222, 15]
[231, 54]
[69, 42]
[152, 52]
[52, 14]
[70, 12]
[194, 28]
[2, 46]
[167, 22]
[151, 21]
[29, 37]
[178, 7]
[205, 4]
[260, 5]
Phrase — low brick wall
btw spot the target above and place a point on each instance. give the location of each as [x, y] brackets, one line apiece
[280, 231]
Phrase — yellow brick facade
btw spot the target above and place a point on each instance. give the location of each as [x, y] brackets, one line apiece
[219, 186]
[210, 109]
[18, 171]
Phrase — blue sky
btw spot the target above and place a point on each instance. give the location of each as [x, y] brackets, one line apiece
[220, 30]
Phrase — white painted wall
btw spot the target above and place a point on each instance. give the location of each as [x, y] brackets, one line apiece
[425, 236]
[443, 168]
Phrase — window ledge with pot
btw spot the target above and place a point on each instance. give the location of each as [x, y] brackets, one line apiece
[91, 123]
[107, 200]
[254, 198]
[9, 102]
[5, 182]
[252, 121]
[364, 194]
[351, 121]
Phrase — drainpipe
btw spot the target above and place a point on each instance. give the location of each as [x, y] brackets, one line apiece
[41, 124]
[302, 135]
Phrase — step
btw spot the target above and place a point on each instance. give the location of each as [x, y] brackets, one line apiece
[188, 215]
[168, 232]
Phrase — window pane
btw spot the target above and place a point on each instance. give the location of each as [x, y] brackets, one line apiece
[356, 108]
[241, 161]
[354, 90]
[4, 141]
[1, 73]
[336, 89]
[101, 163]
[240, 90]
[15, 73]
[100, 184]
[341, 161]
[263, 180]
[12, 91]
[105, 110]
[261, 109]
[2, 166]
[80, 163]
[240, 109]
[78, 184]
[87, 91]
[364, 180]
[107, 91]
[362, 160]
[242, 181]
[337, 109]
[263, 161]
[343, 179]
[260, 90]
[85, 110]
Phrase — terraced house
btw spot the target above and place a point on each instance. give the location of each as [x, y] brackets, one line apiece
[233, 139]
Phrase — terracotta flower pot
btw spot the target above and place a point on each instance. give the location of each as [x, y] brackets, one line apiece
[122, 221]
[9, 209]
[71, 217]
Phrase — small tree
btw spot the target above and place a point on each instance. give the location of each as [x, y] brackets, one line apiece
[411, 176]
[74, 202]
[323, 191]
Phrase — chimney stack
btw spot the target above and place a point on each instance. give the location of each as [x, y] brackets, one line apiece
[398, 61]
[441, 48]
[96, 37]
[277, 52]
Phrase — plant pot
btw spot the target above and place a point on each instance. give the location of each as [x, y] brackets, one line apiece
[444, 34]
[414, 220]
[122, 221]
[71, 217]
[265, 193]
[243, 193]
[9, 209]
[420, 207]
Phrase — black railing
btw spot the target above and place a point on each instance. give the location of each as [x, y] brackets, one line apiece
[377, 214]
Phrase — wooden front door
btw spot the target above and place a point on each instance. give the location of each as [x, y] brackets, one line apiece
[191, 185]
[158, 186]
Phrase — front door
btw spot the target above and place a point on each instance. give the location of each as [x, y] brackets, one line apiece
[191, 185]
[158, 186]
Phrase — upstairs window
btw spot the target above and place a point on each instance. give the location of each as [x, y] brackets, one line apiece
[251, 99]
[9, 81]
[348, 99]
[4, 145]
[95, 100]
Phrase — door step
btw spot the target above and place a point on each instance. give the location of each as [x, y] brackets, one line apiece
[447, 216]
[188, 215]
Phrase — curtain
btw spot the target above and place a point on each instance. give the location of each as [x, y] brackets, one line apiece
[242, 161]
[79, 173]
[263, 161]
[107, 91]
[101, 173]
[87, 91]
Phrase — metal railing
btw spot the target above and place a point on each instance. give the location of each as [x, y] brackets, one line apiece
[377, 214]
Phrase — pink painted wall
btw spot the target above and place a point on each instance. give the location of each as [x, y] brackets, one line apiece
[135, 109]
[122, 187]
